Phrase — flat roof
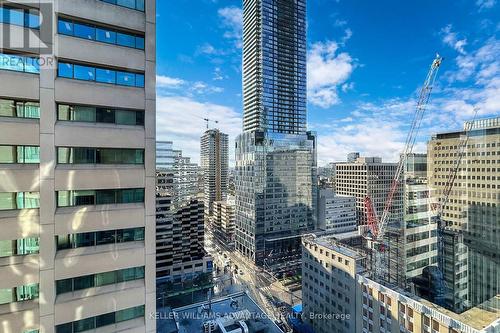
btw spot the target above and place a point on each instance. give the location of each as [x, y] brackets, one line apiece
[482, 318]
[478, 317]
[331, 241]
[190, 318]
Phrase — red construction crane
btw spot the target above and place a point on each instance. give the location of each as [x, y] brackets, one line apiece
[376, 225]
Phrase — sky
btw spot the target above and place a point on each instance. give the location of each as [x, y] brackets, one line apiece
[366, 60]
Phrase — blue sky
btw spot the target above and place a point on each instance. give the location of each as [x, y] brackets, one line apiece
[366, 62]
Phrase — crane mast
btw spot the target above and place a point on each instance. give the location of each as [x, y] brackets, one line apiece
[378, 226]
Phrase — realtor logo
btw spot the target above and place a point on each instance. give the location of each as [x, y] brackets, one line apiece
[26, 27]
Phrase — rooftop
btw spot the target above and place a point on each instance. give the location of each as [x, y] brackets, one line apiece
[484, 318]
[332, 242]
[479, 317]
[225, 315]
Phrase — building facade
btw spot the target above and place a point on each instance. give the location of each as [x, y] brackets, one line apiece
[180, 254]
[419, 227]
[336, 213]
[214, 163]
[339, 295]
[472, 207]
[275, 176]
[329, 270]
[223, 221]
[77, 142]
[369, 176]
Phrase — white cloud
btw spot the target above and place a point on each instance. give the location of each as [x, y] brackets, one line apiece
[218, 74]
[379, 128]
[232, 19]
[169, 84]
[347, 36]
[485, 4]
[180, 119]
[340, 23]
[209, 49]
[326, 70]
[163, 81]
[485, 59]
[203, 88]
[451, 39]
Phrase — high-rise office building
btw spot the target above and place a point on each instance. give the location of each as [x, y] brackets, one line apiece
[369, 176]
[275, 156]
[419, 230]
[472, 208]
[336, 213]
[214, 163]
[179, 218]
[223, 221]
[77, 142]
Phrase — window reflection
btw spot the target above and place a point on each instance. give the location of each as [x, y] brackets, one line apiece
[88, 73]
[99, 197]
[19, 200]
[81, 155]
[87, 239]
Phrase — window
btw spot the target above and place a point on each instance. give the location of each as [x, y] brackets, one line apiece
[88, 73]
[19, 63]
[65, 70]
[101, 34]
[99, 279]
[83, 73]
[99, 197]
[125, 40]
[105, 36]
[19, 154]
[101, 320]
[84, 31]
[19, 109]
[87, 239]
[19, 247]
[125, 79]
[19, 294]
[81, 155]
[65, 27]
[19, 200]
[132, 4]
[105, 76]
[28, 18]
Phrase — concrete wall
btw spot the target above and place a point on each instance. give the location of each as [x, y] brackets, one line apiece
[48, 177]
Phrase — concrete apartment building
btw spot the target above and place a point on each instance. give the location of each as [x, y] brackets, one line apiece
[340, 296]
[275, 181]
[179, 217]
[472, 208]
[369, 176]
[214, 163]
[336, 213]
[77, 169]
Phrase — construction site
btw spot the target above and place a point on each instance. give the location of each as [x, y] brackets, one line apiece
[429, 232]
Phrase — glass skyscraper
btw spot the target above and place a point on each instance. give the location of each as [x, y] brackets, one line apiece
[275, 155]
